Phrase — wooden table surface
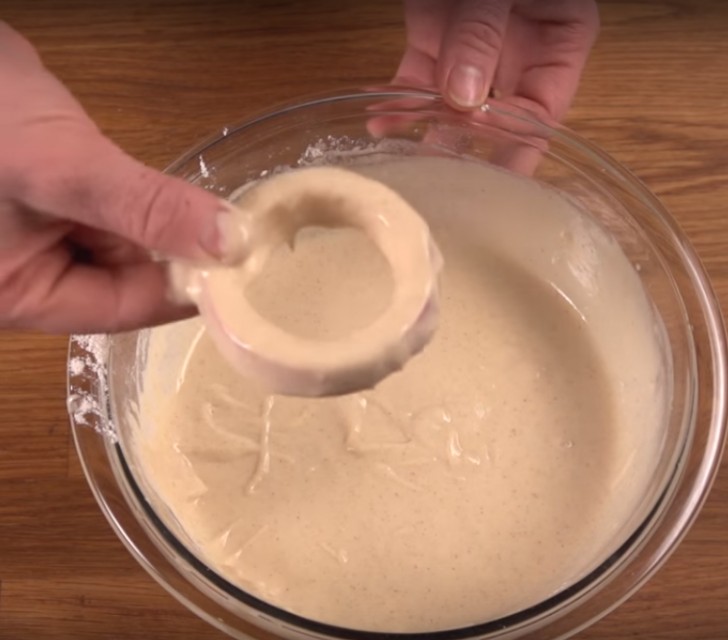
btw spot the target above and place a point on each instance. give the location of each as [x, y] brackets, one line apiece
[158, 76]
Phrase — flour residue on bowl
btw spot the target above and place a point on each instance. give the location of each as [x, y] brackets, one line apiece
[87, 383]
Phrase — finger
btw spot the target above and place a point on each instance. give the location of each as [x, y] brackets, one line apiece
[17, 49]
[19, 226]
[85, 178]
[398, 116]
[517, 157]
[104, 248]
[514, 142]
[402, 126]
[56, 295]
[470, 50]
[424, 22]
[518, 138]
[92, 299]
[568, 29]
[417, 70]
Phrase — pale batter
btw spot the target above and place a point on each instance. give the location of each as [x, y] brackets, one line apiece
[503, 462]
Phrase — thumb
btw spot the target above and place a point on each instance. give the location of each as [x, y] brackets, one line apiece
[84, 177]
[470, 50]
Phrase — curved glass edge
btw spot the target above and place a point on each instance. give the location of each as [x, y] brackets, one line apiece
[401, 98]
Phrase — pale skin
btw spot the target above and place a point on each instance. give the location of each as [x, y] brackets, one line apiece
[79, 219]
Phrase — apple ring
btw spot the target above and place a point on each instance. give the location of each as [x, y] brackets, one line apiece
[269, 214]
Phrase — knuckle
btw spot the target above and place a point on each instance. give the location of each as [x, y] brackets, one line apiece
[150, 210]
[480, 36]
[581, 33]
[576, 21]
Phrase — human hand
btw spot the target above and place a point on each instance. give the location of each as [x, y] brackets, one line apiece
[529, 52]
[78, 217]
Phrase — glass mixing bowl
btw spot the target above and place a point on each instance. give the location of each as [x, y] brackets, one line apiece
[104, 370]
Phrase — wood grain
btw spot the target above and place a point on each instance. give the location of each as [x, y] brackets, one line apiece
[158, 76]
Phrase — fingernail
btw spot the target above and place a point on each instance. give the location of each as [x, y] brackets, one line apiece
[466, 86]
[223, 238]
